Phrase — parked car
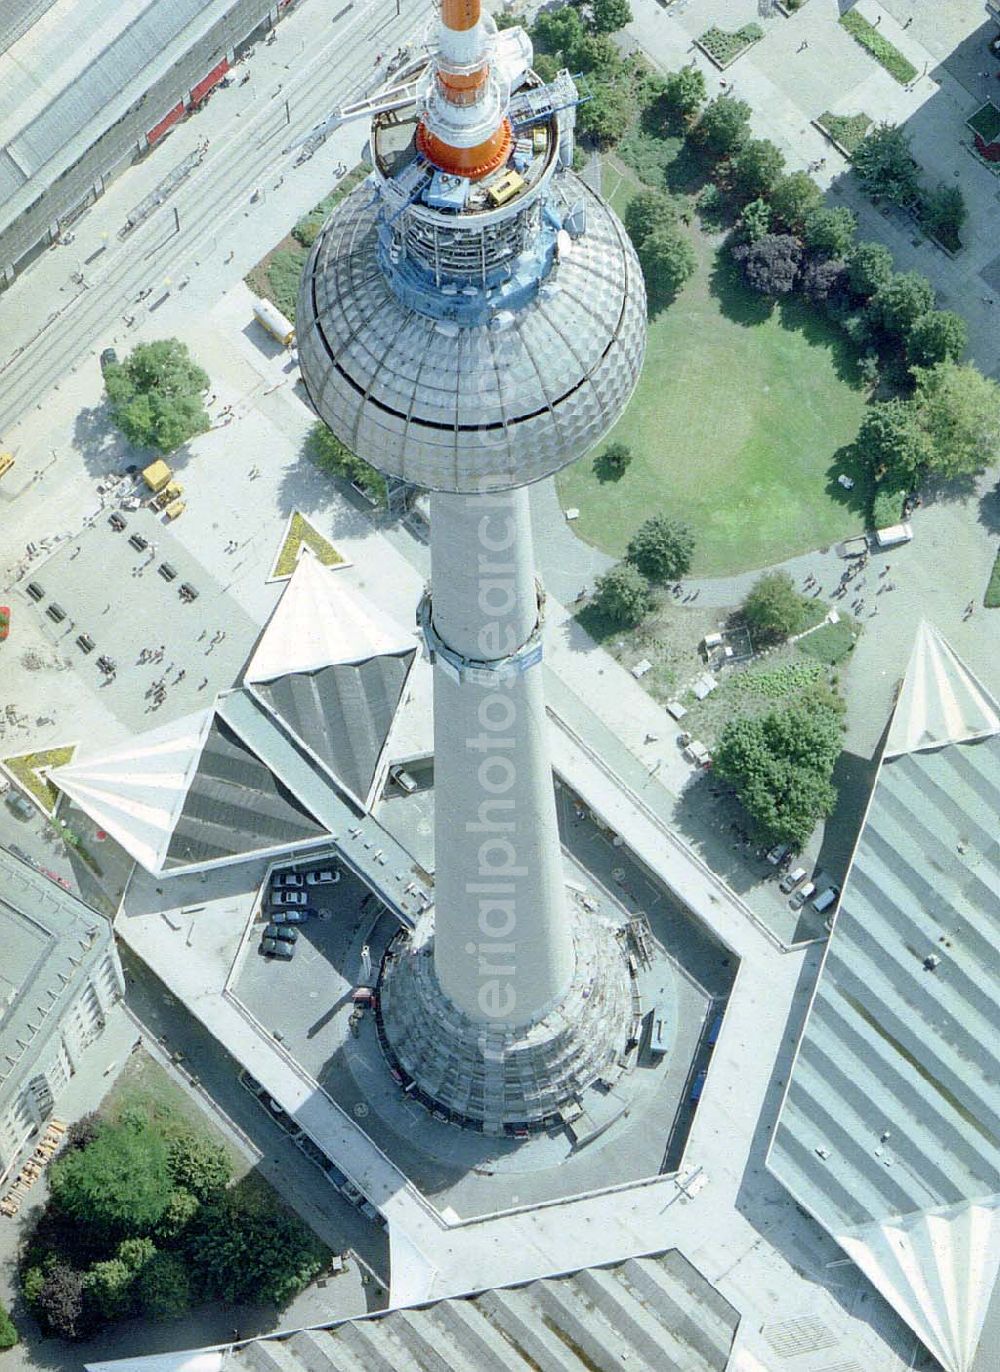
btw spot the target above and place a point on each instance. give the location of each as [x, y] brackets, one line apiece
[282, 931]
[292, 916]
[698, 1085]
[802, 895]
[714, 1030]
[109, 358]
[323, 876]
[286, 880]
[826, 899]
[18, 805]
[778, 853]
[791, 879]
[277, 948]
[288, 897]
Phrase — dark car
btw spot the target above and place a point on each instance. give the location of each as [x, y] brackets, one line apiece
[18, 805]
[291, 916]
[698, 1085]
[282, 931]
[109, 358]
[277, 948]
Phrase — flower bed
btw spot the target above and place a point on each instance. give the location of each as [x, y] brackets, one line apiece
[898, 66]
[992, 598]
[302, 534]
[27, 768]
[846, 130]
[723, 48]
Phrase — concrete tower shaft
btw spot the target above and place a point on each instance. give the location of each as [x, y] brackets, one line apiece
[503, 948]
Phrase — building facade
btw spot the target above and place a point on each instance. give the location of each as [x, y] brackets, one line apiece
[59, 977]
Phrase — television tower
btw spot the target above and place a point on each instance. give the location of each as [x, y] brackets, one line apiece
[471, 319]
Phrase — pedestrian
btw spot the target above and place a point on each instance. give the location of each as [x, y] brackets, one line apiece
[180, 676]
[908, 22]
[201, 635]
[802, 46]
[878, 21]
[203, 684]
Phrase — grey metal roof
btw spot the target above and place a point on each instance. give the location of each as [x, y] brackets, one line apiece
[18, 17]
[652, 1314]
[49, 939]
[890, 1129]
[343, 713]
[235, 805]
[139, 44]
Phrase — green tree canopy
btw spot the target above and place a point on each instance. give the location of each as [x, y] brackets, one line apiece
[893, 444]
[771, 265]
[724, 126]
[608, 16]
[667, 259]
[614, 459]
[937, 336]
[198, 1165]
[755, 220]
[959, 410]
[755, 169]
[884, 165]
[661, 548]
[8, 1331]
[943, 213]
[793, 199]
[608, 113]
[869, 266]
[622, 595]
[597, 54]
[684, 92]
[898, 304]
[781, 765]
[107, 1289]
[830, 232]
[162, 1289]
[649, 209]
[245, 1248]
[774, 609]
[118, 1185]
[156, 395]
[559, 32]
[325, 449]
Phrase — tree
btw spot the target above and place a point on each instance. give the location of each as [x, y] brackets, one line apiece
[943, 213]
[793, 199]
[8, 1331]
[606, 115]
[661, 548]
[622, 595]
[648, 209]
[559, 32]
[781, 765]
[330, 455]
[959, 410]
[898, 304]
[135, 1253]
[755, 168]
[755, 220]
[608, 16]
[724, 126]
[162, 1288]
[937, 336]
[822, 279]
[156, 395]
[181, 1210]
[884, 165]
[199, 1166]
[773, 609]
[667, 259]
[771, 265]
[869, 267]
[684, 92]
[107, 1289]
[830, 232]
[59, 1302]
[117, 1185]
[892, 443]
[83, 1131]
[244, 1248]
[597, 54]
[614, 459]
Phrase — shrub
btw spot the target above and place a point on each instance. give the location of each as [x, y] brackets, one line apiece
[774, 609]
[135, 1253]
[991, 600]
[83, 1131]
[847, 129]
[771, 265]
[884, 165]
[724, 47]
[668, 260]
[622, 595]
[284, 275]
[330, 455]
[661, 549]
[162, 1289]
[648, 209]
[59, 1302]
[793, 199]
[755, 169]
[942, 213]
[755, 220]
[898, 304]
[8, 1332]
[107, 1290]
[887, 505]
[198, 1165]
[879, 46]
[830, 232]
[181, 1210]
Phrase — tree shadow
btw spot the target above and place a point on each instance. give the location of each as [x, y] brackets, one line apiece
[718, 829]
[799, 316]
[103, 447]
[848, 461]
[736, 300]
[989, 510]
[689, 171]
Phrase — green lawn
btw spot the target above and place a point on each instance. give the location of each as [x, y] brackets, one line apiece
[735, 427]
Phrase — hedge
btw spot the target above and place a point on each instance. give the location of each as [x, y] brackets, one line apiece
[887, 506]
[880, 48]
[992, 597]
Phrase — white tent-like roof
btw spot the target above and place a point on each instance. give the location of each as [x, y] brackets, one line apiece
[940, 700]
[938, 1269]
[138, 791]
[320, 622]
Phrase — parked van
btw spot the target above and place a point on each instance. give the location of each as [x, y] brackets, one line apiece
[826, 899]
[791, 879]
[893, 535]
[802, 895]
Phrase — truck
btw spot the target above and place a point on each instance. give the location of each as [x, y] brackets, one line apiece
[893, 535]
[269, 317]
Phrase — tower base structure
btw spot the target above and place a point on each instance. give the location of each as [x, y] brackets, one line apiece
[505, 1079]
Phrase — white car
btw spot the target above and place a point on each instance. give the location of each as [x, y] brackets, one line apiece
[288, 898]
[324, 876]
[287, 880]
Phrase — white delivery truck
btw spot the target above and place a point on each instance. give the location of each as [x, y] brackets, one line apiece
[893, 535]
[269, 317]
